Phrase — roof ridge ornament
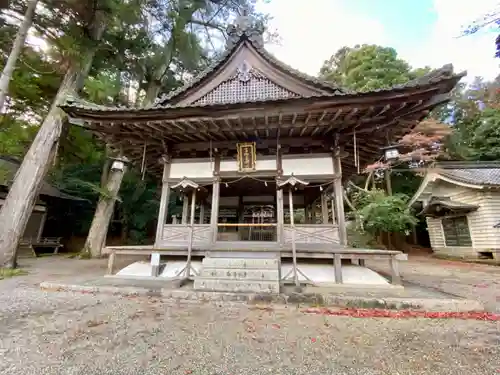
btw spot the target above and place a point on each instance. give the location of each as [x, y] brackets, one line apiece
[245, 26]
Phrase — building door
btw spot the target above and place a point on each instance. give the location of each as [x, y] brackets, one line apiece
[259, 223]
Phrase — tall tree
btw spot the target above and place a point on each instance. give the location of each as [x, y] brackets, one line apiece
[16, 51]
[180, 50]
[367, 67]
[475, 114]
[24, 190]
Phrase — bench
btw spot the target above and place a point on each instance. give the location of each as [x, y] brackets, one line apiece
[29, 245]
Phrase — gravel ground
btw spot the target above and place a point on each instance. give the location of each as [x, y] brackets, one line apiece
[467, 280]
[72, 333]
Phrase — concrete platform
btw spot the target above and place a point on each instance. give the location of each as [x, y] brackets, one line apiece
[320, 274]
[340, 296]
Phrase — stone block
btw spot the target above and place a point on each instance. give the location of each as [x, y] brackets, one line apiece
[220, 285]
[240, 274]
[258, 275]
[240, 263]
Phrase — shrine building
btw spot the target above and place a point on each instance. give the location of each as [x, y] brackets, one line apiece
[258, 152]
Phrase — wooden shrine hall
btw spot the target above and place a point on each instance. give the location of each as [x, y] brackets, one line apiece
[258, 151]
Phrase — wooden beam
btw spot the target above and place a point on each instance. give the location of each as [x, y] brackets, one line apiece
[214, 211]
[339, 197]
[165, 195]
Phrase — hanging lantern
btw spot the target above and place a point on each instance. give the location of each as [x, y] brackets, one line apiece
[391, 152]
[117, 165]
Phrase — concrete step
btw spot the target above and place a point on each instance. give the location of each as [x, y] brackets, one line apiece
[241, 274]
[240, 263]
[257, 275]
[224, 285]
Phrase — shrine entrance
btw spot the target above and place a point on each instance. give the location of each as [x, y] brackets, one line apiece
[248, 210]
[259, 223]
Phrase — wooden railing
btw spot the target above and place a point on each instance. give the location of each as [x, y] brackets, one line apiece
[247, 232]
[312, 233]
[179, 233]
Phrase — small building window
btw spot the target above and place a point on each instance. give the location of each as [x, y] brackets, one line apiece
[456, 231]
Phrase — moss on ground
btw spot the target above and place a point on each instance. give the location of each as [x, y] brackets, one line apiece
[6, 273]
[492, 262]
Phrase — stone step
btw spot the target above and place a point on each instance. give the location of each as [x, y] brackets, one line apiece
[239, 273]
[218, 285]
[223, 263]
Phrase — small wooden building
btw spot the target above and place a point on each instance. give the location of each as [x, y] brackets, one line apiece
[461, 203]
[245, 131]
[48, 193]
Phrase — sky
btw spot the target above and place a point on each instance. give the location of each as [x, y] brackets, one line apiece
[423, 32]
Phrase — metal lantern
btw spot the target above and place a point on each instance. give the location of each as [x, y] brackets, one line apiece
[117, 165]
[391, 152]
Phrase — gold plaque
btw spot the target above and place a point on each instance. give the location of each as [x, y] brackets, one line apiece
[247, 156]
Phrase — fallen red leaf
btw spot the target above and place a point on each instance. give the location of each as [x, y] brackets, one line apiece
[277, 326]
[481, 285]
[404, 314]
[313, 340]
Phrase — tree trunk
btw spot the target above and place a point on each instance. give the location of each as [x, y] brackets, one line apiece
[104, 210]
[388, 184]
[152, 92]
[103, 213]
[23, 193]
[16, 51]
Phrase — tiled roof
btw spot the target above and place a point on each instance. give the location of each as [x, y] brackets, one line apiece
[472, 173]
[327, 86]
[448, 204]
[11, 165]
[248, 35]
[442, 74]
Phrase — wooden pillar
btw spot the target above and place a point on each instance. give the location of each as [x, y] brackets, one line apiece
[337, 263]
[191, 232]
[40, 227]
[339, 197]
[294, 249]
[164, 200]
[324, 208]
[214, 216]
[334, 217]
[280, 210]
[185, 207]
[395, 276]
[111, 262]
[280, 213]
[202, 212]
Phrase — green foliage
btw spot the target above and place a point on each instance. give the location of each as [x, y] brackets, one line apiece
[380, 212]
[368, 67]
[140, 210]
[15, 136]
[360, 239]
[6, 273]
[485, 141]
[474, 113]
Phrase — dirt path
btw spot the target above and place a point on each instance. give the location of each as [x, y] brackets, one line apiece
[468, 280]
[74, 333]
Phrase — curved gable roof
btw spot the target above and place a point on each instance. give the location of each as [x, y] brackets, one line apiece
[245, 46]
